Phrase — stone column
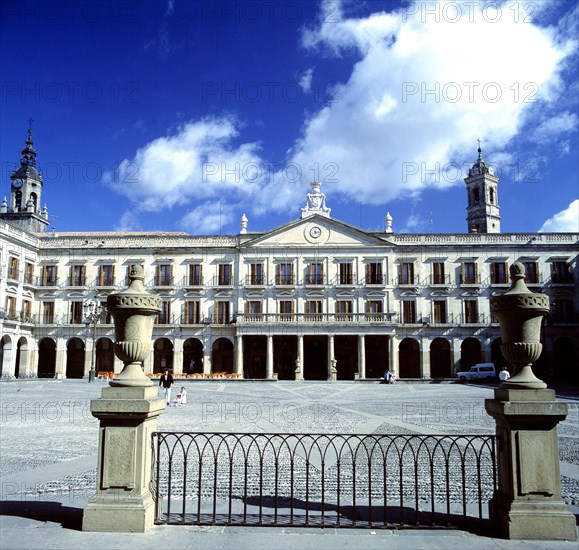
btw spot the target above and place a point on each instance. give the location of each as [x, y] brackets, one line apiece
[128, 412]
[269, 358]
[425, 360]
[394, 356]
[60, 360]
[239, 354]
[299, 372]
[361, 357]
[331, 359]
[527, 504]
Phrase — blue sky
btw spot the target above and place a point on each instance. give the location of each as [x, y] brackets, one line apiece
[183, 115]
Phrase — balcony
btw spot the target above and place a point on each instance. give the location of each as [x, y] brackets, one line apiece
[439, 281]
[195, 281]
[285, 280]
[308, 318]
[314, 280]
[163, 281]
[47, 282]
[375, 280]
[13, 274]
[254, 280]
[470, 280]
[562, 279]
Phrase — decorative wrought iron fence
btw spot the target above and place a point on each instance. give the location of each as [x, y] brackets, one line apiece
[323, 480]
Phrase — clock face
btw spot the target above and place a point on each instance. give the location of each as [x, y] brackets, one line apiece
[315, 232]
[17, 183]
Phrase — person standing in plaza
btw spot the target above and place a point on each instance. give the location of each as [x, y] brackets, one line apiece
[166, 381]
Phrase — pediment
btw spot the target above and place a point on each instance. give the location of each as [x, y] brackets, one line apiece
[316, 231]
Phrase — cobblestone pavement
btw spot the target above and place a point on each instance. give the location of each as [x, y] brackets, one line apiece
[49, 438]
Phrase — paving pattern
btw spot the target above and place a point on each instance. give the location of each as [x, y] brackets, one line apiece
[49, 438]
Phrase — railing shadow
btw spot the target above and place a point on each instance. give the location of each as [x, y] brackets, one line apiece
[55, 512]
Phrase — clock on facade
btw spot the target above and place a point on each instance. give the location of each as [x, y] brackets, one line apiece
[315, 232]
[17, 183]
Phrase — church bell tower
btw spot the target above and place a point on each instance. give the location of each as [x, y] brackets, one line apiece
[23, 210]
[482, 212]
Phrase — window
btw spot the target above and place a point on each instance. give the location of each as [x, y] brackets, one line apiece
[29, 273]
[75, 313]
[192, 312]
[563, 311]
[315, 274]
[286, 310]
[313, 310]
[11, 307]
[18, 201]
[499, 273]
[13, 268]
[406, 274]
[285, 274]
[49, 273]
[374, 309]
[374, 273]
[26, 310]
[222, 313]
[476, 195]
[560, 273]
[470, 311]
[438, 273]
[77, 275]
[253, 308]
[256, 274]
[345, 276]
[106, 316]
[531, 272]
[224, 278]
[344, 310]
[409, 311]
[164, 316]
[469, 274]
[164, 275]
[439, 311]
[492, 195]
[48, 312]
[106, 275]
[195, 275]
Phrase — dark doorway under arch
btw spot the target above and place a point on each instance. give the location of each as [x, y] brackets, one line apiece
[254, 356]
[470, 353]
[222, 356]
[46, 358]
[192, 356]
[75, 358]
[440, 359]
[315, 358]
[409, 358]
[163, 355]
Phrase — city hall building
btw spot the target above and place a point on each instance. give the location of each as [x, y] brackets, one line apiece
[313, 298]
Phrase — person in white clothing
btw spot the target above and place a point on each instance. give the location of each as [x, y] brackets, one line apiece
[504, 375]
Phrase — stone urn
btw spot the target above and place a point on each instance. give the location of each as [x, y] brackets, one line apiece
[133, 311]
[519, 312]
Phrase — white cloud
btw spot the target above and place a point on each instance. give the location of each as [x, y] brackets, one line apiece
[555, 126]
[197, 162]
[305, 82]
[566, 221]
[423, 91]
[208, 218]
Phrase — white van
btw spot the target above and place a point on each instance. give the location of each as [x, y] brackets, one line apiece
[478, 372]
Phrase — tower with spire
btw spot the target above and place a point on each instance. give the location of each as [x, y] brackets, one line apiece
[24, 207]
[482, 212]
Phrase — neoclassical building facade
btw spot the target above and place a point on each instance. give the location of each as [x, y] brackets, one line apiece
[312, 299]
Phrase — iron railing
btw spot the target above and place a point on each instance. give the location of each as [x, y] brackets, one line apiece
[323, 480]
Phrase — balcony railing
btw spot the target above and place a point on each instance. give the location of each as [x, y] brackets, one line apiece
[470, 280]
[254, 280]
[195, 280]
[408, 281]
[375, 280]
[163, 280]
[314, 280]
[439, 280]
[307, 318]
[562, 278]
[13, 274]
[285, 280]
[47, 281]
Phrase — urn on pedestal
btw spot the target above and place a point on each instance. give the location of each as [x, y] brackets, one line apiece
[519, 312]
[133, 311]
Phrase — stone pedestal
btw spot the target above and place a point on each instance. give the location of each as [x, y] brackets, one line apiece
[528, 504]
[123, 501]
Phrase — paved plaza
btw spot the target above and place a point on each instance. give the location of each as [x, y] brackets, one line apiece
[49, 446]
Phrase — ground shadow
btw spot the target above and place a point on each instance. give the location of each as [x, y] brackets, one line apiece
[67, 516]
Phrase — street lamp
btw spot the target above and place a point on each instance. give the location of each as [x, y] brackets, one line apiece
[94, 313]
